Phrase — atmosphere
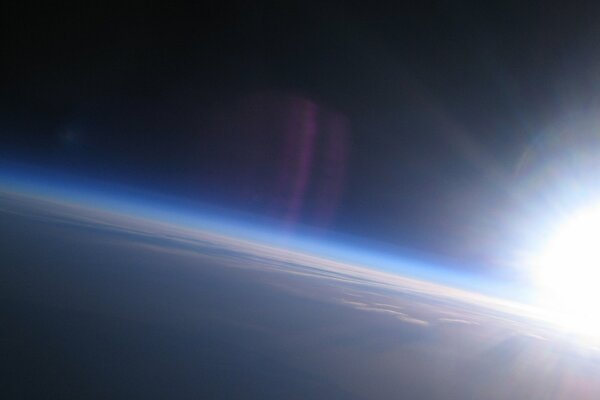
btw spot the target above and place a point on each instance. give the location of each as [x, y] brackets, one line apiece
[443, 127]
[338, 183]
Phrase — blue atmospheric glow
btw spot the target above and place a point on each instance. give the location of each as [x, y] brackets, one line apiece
[150, 206]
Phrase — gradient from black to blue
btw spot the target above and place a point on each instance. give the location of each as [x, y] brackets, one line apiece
[439, 101]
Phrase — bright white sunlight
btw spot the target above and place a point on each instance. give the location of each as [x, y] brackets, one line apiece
[567, 274]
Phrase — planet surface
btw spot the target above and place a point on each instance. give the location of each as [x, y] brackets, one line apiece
[98, 303]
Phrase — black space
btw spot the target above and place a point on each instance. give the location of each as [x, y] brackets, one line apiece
[433, 104]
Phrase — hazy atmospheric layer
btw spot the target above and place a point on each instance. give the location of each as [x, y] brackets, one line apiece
[102, 303]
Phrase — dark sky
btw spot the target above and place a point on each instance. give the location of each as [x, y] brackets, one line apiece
[420, 125]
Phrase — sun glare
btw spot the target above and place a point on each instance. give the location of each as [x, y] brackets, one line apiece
[567, 274]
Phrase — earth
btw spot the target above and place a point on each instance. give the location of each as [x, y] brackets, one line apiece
[100, 304]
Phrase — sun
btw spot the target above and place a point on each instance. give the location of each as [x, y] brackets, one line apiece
[567, 274]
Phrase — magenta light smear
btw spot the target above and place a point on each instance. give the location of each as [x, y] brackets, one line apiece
[299, 152]
[333, 169]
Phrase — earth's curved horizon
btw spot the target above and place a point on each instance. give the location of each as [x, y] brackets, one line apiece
[99, 304]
